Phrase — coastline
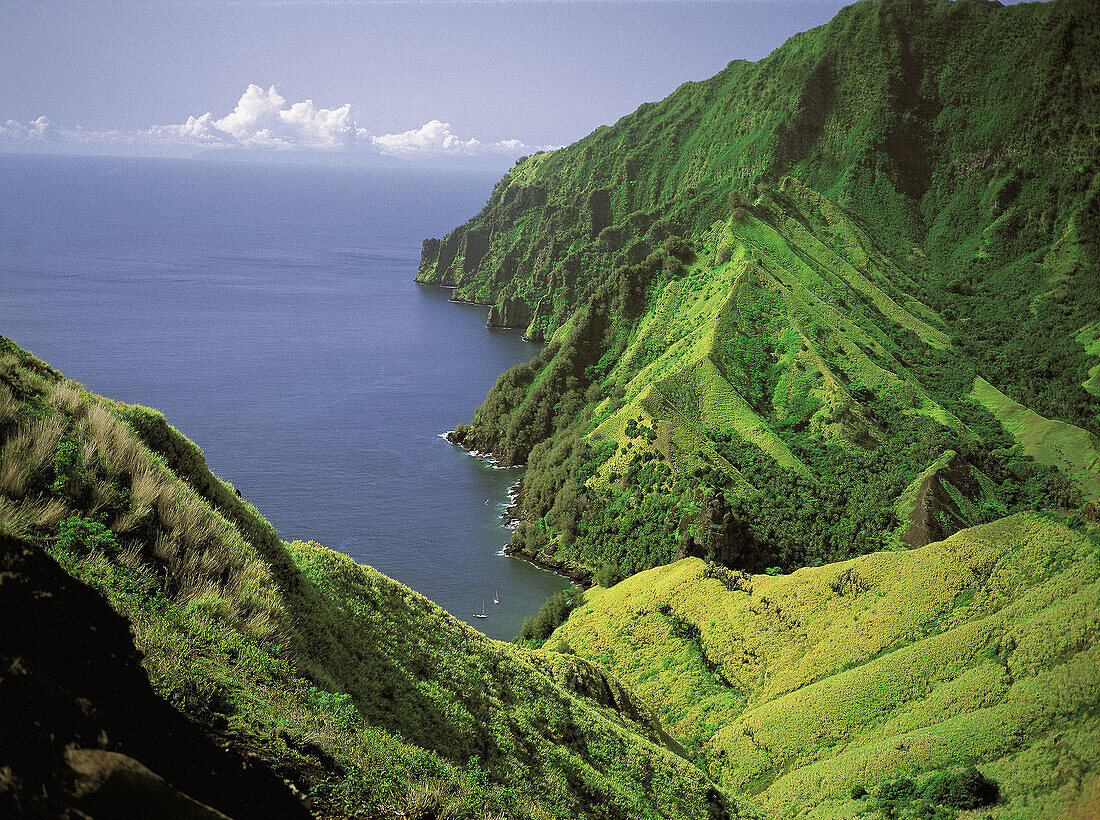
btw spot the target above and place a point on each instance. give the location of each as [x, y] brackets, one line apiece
[447, 286]
[488, 458]
[510, 517]
[578, 576]
[468, 302]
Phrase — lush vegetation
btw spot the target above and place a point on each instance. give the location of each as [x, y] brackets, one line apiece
[537, 628]
[779, 409]
[366, 694]
[888, 674]
[833, 314]
[771, 300]
[839, 302]
[937, 798]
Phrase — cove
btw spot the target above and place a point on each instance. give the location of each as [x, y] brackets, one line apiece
[269, 311]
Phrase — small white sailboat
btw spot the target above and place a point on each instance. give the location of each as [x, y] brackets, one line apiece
[482, 613]
[496, 597]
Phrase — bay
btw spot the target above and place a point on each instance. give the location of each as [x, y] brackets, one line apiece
[269, 311]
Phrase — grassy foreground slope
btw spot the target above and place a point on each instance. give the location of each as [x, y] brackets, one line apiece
[360, 692]
[980, 649]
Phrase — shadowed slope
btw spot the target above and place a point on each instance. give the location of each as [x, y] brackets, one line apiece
[73, 680]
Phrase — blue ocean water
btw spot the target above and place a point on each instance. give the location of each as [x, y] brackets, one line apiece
[270, 312]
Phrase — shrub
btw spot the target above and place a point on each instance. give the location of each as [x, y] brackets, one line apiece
[968, 789]
[680, 249]
[552, 614]
[564, 648]
[66, 462]
[928, 811]
[608, 575]
[79, 534]
[894, 794]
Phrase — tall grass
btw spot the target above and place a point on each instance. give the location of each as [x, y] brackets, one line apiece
[65, 451]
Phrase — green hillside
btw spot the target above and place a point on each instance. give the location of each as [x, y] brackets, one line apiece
[831, 314]
[362, 693]
[790, 378]
[789, 691]
[981, 649]
[767, 298]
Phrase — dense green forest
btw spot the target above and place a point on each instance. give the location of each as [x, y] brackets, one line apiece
[772, 302]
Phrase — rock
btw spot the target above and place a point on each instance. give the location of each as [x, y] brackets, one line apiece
[934, 514]
[109, 784]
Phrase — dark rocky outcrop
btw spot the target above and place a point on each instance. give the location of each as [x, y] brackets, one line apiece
[720, 536]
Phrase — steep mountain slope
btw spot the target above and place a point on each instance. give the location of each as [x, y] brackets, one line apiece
[768, 298]
[360, 692]
[984, 648]
[841, 301]
[967, 129]
[783, 397]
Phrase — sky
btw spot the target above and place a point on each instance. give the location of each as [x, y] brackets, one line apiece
[351, 80]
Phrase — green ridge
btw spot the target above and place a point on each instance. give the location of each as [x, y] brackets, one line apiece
[1072, 450]
[1090, 338]
[947, 496]
[799, 317]
[781, 363]
[794, 271]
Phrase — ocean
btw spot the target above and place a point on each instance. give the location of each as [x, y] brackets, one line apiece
[269, 311]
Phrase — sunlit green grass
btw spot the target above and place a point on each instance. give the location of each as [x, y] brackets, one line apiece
[982, 648]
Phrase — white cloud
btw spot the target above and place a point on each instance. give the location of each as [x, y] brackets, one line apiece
[436, 137]
[40, 130]
[196, 129]
[263, 120]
